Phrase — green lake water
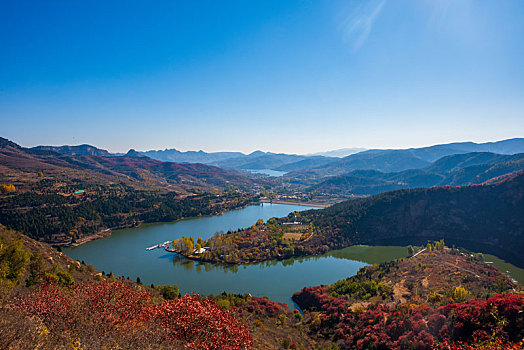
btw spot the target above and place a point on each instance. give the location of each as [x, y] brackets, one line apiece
[505, 267]
[124, 254]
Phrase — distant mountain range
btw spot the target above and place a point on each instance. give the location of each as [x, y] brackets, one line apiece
[339, 153]
[454, 170]
[404, 159]
[261, 160]
[231, 160]
[235, 160]
[315, 165]
[173, 155]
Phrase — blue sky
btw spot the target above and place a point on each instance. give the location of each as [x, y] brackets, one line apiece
[282, 76]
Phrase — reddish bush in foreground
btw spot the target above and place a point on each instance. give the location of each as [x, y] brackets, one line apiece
[498, 321]
[480, 319]
[119, 314]
[497, 344]
[263, 306]
[199, 324]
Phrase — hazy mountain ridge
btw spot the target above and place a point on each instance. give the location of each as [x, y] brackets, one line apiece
[231, 160]
[134, 154]
[312, 165]
[313, 161]
[260, 160]
[339, 153]
[174, 155]
[454, 170]
[413, 158]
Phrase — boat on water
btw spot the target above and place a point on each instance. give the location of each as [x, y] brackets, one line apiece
[159, 245]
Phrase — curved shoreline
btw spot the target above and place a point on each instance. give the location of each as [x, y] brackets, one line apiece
[108, 231]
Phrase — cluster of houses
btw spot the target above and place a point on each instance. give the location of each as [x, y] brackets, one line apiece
[201, 250]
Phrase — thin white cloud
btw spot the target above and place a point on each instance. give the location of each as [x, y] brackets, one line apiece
[439, 13]
[357, 26]
[460, 20]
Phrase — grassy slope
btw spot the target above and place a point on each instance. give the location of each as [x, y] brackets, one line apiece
[427, 278]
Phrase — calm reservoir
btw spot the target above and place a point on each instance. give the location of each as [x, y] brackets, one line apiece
[124, 254]
[268, 172]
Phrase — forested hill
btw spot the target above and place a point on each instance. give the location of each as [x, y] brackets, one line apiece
[489, 218]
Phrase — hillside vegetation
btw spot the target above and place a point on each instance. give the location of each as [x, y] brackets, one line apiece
[439, 299]
[54, 212]
[481, 218]
[49, 301]
[69, 198]
[486, 218]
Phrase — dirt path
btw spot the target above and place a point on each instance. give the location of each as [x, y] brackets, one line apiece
[425, 282]
[420, 251]
[461, 268]
[399, 291]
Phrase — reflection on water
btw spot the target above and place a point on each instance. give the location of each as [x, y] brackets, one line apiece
[124, 254]
[360, 253]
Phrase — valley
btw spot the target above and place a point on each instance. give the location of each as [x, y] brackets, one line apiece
[338, 247]
[160, 267]
[262, 175]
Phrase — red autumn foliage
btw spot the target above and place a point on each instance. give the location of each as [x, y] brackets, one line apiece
[502, 314]
[496, 344]
[476, 321]
[118, 313]
[263, 306]
[199, 324]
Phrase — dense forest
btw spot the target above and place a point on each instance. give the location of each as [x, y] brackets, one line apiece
[487, 218]
[56, 212]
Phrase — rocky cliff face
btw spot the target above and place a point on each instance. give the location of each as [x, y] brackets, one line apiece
[76, 150]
